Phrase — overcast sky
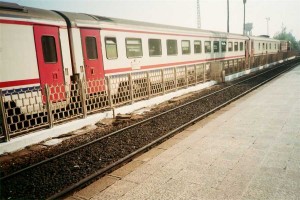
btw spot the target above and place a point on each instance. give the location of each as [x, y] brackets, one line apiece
[184, 12]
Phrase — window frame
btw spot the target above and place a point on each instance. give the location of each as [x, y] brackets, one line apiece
[236, 44]
[241, 46]
[199, 45]
[205, 50]
[222, 51]
[214, 46]
[86, 48]
[116, 44]
[155, 55]
[189, 42]
[141, 44]
[230, 50]
[168, 48]
[47, 53]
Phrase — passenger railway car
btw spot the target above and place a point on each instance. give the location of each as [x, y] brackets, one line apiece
[41, 47]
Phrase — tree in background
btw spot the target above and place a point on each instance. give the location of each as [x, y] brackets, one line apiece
[284, 35]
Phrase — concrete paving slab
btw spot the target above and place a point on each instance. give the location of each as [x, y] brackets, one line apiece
[95, 188]
[150, 154]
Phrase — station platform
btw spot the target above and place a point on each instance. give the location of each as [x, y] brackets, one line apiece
[250, 149]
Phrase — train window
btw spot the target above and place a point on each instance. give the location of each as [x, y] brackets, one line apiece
[241, 46]
[134, 47]
[263, 46]
[49, 49]
[154, 47]
[197, 46]
[172, 47]
[259, 46]
[266, 46]
[111, 48]
[207, 46]
[223, 46]
[91, 48]
[229, 46]
[236, 46]
[216, 47]
[185, 47]
[270, 46]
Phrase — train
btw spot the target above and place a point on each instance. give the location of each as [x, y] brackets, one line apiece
[41, 47]
[53, 47]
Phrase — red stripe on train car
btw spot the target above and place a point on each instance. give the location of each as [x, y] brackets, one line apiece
[109, 71]
[19, 82]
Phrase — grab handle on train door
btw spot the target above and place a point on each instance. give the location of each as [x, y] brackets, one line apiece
[54, 75]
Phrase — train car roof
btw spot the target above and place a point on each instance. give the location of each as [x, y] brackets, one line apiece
[28, 14]
[94, 21]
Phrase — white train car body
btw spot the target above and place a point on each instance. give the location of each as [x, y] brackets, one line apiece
[126, 45]
[264, 45]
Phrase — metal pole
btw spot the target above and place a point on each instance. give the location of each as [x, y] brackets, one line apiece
[148, 85]
[131, 87]
[227, 16]
[186, 77]
[83, 97]
[110, 100]
[244, 1]
[49, 106]
[175, 78]
[163, 81]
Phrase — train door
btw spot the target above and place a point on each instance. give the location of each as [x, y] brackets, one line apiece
[49, 58]
[92, 56]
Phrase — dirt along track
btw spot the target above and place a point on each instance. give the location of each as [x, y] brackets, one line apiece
[49, 178]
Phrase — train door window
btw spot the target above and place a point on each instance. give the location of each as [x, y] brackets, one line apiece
[258, 46]
[185, 47]
[270, 46]
[172, 47]
[134, 47]
[197, 46]
[266, 45]
[207, 46]
[111, 48]
[236, 46]
[216, 47]
[241, 46]
[223, 46]
[91, 48]
[229, 46]
[49, 49]
[154, 47]
[263, 46]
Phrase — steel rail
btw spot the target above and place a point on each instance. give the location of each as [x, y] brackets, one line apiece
[162, 138]
[138, 123]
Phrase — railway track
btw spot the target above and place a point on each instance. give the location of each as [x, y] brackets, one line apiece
[63, 173]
